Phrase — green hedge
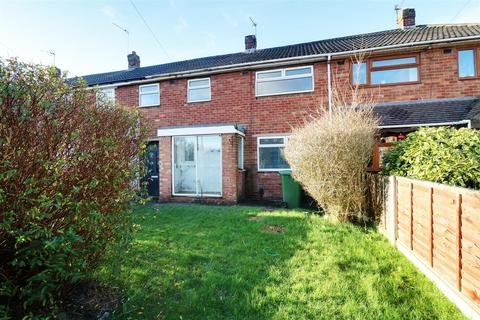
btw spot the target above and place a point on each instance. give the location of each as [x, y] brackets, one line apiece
[66, 170]
[444, 155]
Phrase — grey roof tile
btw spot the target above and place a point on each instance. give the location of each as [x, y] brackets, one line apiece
[427, 111]
[335, 45]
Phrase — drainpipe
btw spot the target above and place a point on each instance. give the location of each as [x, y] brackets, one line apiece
[329, 81]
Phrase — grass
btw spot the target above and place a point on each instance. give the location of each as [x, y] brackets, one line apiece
[209, 262]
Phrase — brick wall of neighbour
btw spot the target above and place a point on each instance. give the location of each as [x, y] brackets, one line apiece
[234, 101]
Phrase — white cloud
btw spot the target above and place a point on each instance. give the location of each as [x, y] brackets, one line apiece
[181, 25]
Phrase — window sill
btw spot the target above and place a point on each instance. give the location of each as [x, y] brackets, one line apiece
[199, 101]
[198, 195]
[271, 170]
[468, 78]
[150, 106]
[283, 93]
[368, 86]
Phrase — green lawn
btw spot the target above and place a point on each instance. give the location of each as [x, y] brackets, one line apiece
[209, 262]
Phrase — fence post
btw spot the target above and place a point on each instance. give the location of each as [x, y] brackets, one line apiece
[411, 215]
[430, 213]
[392, 209]
[459, 241]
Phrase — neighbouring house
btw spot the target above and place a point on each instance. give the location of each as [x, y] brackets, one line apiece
[218, 125]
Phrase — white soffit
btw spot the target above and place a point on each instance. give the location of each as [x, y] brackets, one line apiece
[192, 131]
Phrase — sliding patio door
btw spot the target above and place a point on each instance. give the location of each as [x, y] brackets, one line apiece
[184, 171]
[197, 162]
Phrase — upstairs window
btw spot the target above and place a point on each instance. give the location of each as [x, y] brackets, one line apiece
[386, 71]
[284, 81]
[467, 63]
[106, 95]
[149, 95]
[359, 73]
[199, 90]
[270, 153]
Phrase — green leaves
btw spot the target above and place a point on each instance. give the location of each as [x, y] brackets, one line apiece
[66, 167]
[444, 155]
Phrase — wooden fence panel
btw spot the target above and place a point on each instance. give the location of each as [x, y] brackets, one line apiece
[440, 226]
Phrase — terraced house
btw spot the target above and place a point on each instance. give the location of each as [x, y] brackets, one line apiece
[218, 124]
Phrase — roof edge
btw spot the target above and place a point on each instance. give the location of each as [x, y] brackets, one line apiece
[289, 60]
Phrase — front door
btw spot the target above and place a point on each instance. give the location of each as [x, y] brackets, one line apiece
[152, 177]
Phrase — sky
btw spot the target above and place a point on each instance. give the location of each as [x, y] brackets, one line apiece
[85, 40]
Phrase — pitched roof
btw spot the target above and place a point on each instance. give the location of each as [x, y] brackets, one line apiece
[437, 111]
[420, 33]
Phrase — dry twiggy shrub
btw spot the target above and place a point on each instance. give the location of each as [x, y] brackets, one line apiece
[329, 157]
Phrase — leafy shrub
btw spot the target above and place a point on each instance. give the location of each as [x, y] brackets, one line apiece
[66, 170]
[443, 155]
[329, 159]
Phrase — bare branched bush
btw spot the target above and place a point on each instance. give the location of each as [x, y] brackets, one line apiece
[329, 154]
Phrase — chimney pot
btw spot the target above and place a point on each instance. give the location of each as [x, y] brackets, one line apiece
[406, 18]
[250, 42]
[133, 61]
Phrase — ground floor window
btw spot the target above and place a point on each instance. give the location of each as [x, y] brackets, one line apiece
[270, 153]
[197, 165]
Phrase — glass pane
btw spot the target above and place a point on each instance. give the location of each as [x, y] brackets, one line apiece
[240, 153]
[466, 63]
[359, 73]
[272, 158]
[282, 86]
[184, 165]
[271, 141]
[152, 88]
[272, 74]
[394, 62]
[199, 94]
[106, 95]
[209, 165]
[199, 83]
[149, 99]
[295, 72]
[395, 75]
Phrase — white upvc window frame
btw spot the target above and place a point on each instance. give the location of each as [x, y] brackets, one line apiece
[102, 89]
[196, 195]
[241, 153]
[284, 144]
[284, 77]
[209, 86]
[150, 92]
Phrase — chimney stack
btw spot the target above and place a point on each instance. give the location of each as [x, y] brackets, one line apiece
[250, 42]
[406, 18]
[133, 61]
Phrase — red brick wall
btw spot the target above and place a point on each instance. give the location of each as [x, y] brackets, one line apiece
[229, 168]
[165, 156]
[234, 101]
